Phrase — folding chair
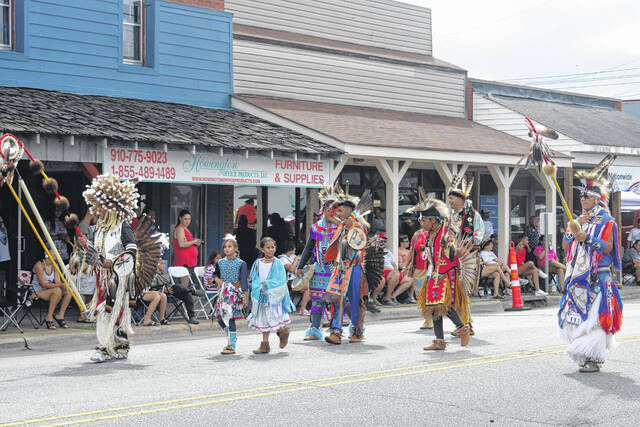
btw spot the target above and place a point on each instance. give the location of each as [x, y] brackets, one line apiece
[178, 305]
[210, 295]
[9, 311]
[140, 310]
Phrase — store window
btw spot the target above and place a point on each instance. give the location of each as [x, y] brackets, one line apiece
[132, 32]
[6, 30]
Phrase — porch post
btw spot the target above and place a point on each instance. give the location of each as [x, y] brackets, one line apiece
[503, 176]
[312, 207]
[550, 202]
[392, 172]
[447, 171]
[336, 167]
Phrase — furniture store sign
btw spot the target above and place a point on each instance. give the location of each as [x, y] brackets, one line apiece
[229, 169]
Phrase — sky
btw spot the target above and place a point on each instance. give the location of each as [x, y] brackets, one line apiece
[584, 46]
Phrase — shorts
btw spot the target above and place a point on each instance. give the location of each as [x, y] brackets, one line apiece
[386, 273]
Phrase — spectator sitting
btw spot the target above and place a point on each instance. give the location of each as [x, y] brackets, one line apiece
[179, 291]
[492, 268]
[156, 298]
[631, 260]
[378, 223]
[47, 285]
[527, 268]
[532, 232]
[554, 263]
[290, 262]
[406, 283]
[211, 273]
[391, 278]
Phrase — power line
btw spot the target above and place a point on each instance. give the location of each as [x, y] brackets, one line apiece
[562, 81]
[572, 75]
[602, 85]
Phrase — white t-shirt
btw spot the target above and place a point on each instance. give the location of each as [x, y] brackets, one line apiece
[488, 228]
[388, 259]
[263, 270]
[634, 235]
[288, 260]
[489, 257]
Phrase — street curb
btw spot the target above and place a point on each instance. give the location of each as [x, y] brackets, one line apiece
[85, 336]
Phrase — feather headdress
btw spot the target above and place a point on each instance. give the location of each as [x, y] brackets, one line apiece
[429, 207]
[460, 186]
[107, 196]
[364, 207]
[344, 198]
[329, 194]
[594, 183]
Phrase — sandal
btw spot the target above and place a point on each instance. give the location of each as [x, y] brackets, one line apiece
[164, 322]
[50, 324]
[84, 321]
[150, 324]
[61, 323]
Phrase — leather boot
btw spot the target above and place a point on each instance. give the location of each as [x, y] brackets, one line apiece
[228, 350]
[438, 344]
[263, 349]
[334, 338]
[283, 334]
[428, 324]
[356, 336]
[465, 335]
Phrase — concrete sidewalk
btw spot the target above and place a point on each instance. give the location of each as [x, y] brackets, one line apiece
[80, 334]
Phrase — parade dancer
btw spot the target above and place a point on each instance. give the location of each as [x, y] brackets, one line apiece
[442, 293]
[590, 308]
[319, 236]
[348, 286]
[417, 265]
[270, 300]
[468, 228]
[234, 292]
[123, 262]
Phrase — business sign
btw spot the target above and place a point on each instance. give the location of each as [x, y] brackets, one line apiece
[182, 166]
[623, 178]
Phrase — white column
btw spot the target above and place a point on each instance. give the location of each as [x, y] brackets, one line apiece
[503, 176]
[259, 224]
[392, 172]
[550, 201]
[447, 171]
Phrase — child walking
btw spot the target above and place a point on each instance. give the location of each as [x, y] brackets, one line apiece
[234, 291]
[271, 303]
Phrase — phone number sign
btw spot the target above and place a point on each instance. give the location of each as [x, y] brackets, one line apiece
[182, 166]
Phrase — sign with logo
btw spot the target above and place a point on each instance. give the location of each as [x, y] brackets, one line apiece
[182, 166]
[624, 178]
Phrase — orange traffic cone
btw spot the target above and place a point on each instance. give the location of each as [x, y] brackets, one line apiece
[515, 282]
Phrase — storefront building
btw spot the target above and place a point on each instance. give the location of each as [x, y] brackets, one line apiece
[361, 76]
[139, 89]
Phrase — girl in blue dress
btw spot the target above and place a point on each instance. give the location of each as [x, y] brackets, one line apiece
[270, 300]
[234, 291]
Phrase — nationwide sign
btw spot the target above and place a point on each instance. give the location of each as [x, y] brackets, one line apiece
[182, 166]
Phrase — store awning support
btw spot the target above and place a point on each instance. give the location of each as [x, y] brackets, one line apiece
[503, 176]
[448, 170]
[336, 167]
[392, 171]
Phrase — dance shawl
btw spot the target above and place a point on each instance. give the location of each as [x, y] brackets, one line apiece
[588, 270]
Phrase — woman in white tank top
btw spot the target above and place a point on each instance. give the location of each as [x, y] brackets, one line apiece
[47, 285]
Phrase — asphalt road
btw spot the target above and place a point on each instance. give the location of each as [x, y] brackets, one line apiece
[513, 373]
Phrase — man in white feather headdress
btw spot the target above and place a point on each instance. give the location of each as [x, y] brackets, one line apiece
[123, 261]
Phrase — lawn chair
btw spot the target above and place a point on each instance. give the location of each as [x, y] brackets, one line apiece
[210, 295]
[178, 305]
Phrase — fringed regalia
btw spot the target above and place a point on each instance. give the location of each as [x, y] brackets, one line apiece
[348, 285]
[591, 309]
[320, 235]
[134, 256]
[270, 300]
[442, 290]
[233, 273]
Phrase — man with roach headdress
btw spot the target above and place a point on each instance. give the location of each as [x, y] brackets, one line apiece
[350, 251]
[590, 308]
[320, 235]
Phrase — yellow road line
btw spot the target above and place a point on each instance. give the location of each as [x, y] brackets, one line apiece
[296, 386]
